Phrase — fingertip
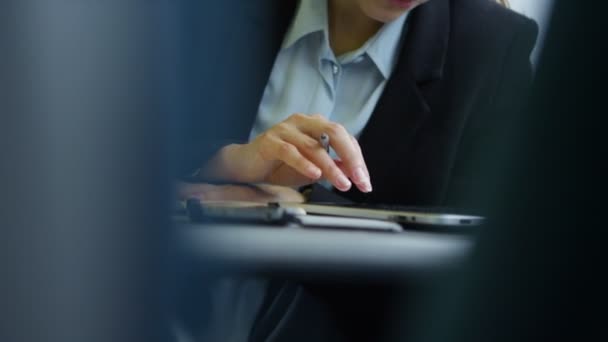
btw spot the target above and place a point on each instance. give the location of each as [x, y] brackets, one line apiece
[314, 172]
[365, 187]
[342, 183]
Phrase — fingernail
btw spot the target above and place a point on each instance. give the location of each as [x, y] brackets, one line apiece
[343, 183]
[360, 176]
[364, 187]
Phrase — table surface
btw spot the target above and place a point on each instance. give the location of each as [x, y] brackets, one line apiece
[295, 250]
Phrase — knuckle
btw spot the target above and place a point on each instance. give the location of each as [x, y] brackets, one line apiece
[318, 116]
[282, 127]
[286, 150]
[334, 128]
[297, 117]
[265, 137]
[310, 144]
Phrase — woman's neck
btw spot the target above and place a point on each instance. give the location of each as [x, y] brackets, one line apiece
[349, 27]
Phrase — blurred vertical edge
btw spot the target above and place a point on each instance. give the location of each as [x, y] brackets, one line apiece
[84, 188]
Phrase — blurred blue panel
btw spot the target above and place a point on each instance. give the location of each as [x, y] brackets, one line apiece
[84, 176]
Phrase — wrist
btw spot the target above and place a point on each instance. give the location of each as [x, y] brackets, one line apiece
[225, 164]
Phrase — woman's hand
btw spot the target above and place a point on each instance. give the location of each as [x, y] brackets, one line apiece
[289, 153]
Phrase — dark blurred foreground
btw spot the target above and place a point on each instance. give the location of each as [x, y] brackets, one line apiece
[84, 171]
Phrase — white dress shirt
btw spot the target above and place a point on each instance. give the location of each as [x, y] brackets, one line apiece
[308, 78]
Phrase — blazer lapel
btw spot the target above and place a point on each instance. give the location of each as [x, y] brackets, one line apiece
[404, 106]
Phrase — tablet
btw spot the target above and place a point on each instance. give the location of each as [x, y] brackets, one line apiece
[403, 215]
[274, 214]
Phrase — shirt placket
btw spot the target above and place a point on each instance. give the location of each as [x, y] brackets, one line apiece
[329, 70]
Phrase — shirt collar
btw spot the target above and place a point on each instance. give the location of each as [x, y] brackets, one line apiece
[382, 48]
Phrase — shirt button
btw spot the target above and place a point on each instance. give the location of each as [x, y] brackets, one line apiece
[335, 69]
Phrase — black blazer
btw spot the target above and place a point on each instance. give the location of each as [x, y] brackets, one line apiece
[461, 76]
